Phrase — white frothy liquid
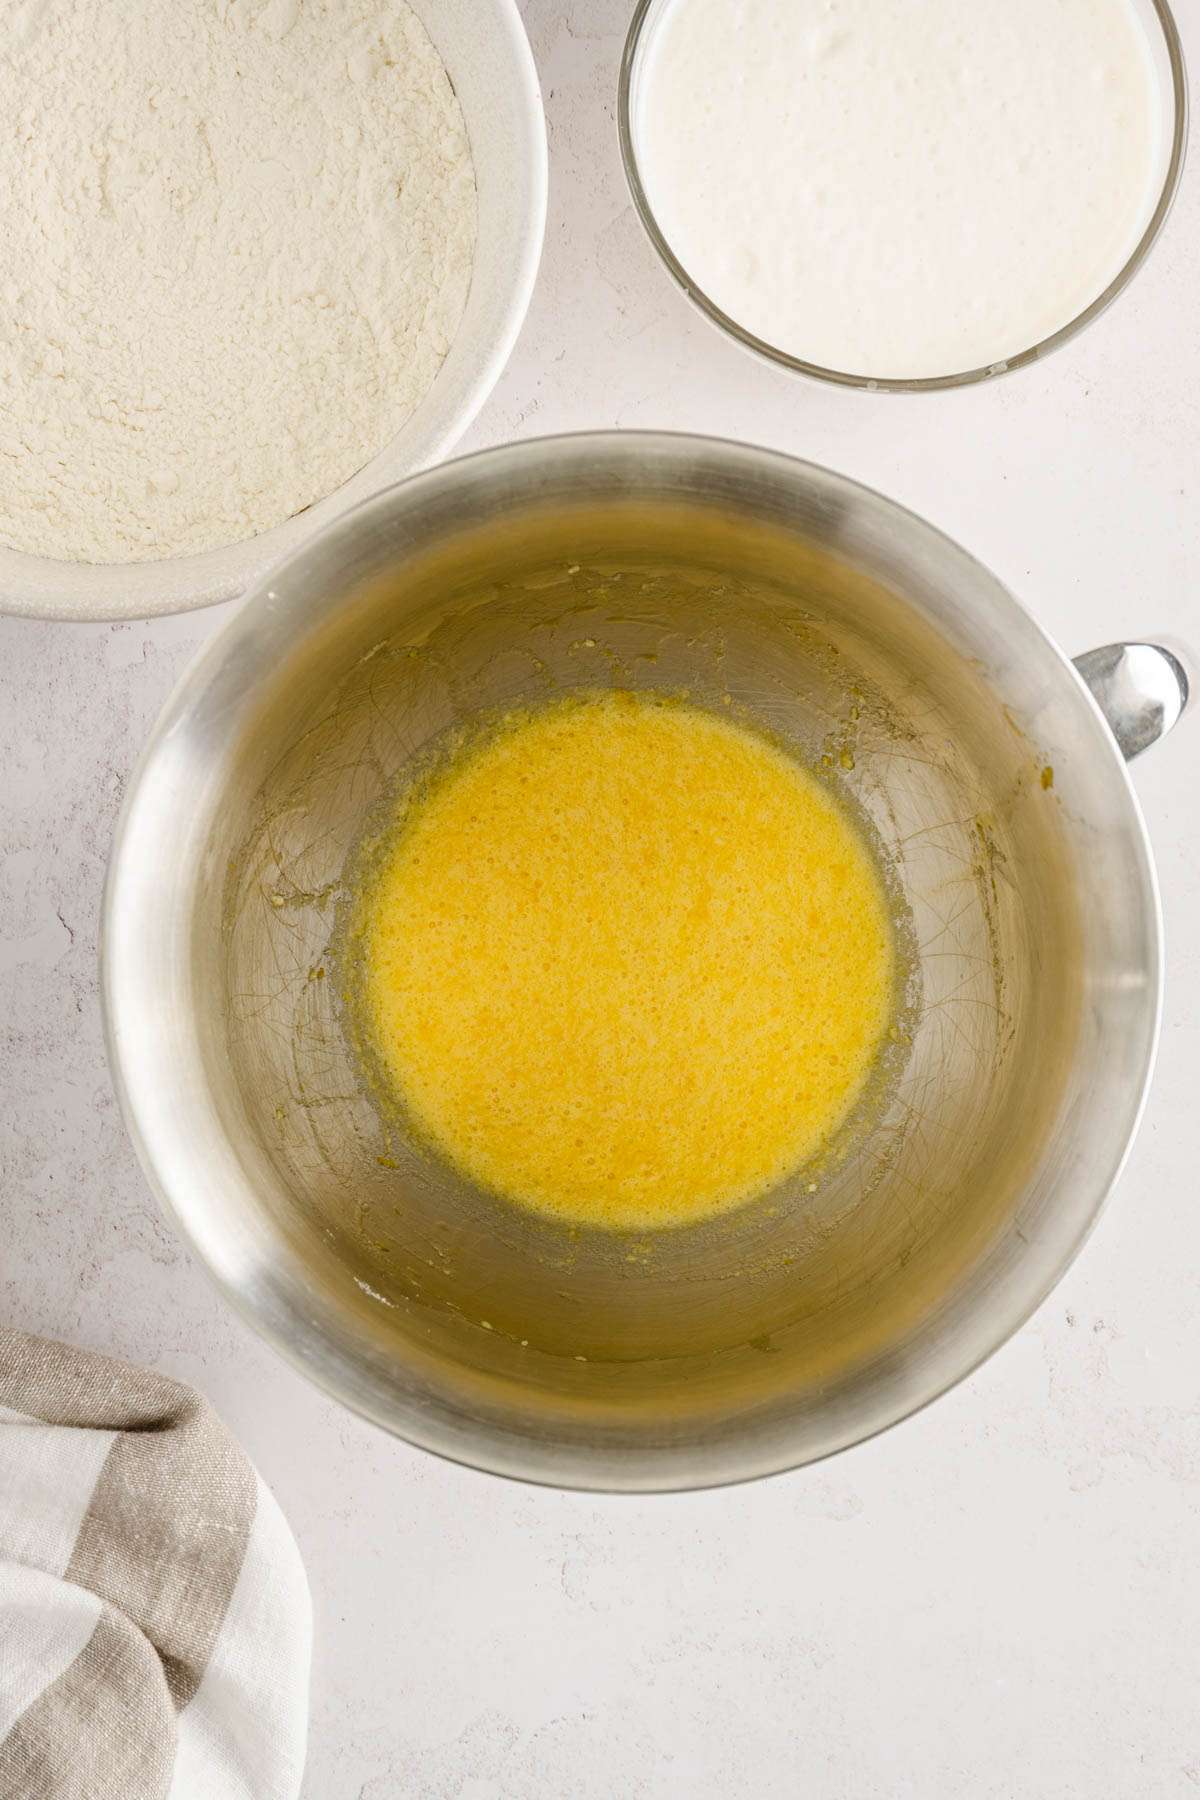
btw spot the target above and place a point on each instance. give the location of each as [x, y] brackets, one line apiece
[900, 188]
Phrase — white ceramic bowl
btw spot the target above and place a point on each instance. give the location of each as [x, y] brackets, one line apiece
[487, 55]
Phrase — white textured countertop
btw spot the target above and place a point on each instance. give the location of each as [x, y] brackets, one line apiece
[999, 1599]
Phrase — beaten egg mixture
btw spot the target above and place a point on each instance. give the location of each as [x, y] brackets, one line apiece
[624, 961]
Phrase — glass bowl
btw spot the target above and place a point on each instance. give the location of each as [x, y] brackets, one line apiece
[1167, 56]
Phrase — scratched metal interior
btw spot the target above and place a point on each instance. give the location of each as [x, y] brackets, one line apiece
[835, 1267]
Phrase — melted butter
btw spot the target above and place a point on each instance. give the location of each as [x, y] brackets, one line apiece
[625, 962]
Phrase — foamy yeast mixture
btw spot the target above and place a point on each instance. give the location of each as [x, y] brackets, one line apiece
[900, 188]
[625, 962]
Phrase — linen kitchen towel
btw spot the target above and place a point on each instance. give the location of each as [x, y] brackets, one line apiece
[155, 1628]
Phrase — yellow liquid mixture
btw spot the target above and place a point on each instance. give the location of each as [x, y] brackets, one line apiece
[625, 962]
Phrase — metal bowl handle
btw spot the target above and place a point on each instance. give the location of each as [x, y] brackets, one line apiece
[1142, 690]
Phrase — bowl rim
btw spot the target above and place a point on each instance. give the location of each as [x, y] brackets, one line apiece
[287, 1315]
[765, 351]
[135, 590]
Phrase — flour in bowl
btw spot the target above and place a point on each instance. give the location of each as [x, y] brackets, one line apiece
[236, 240]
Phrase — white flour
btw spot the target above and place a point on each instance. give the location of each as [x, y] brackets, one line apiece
[235, 243]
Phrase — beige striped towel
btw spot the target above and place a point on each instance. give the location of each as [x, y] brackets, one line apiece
[154, 1617]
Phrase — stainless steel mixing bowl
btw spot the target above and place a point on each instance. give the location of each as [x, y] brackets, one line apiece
[967, 742]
